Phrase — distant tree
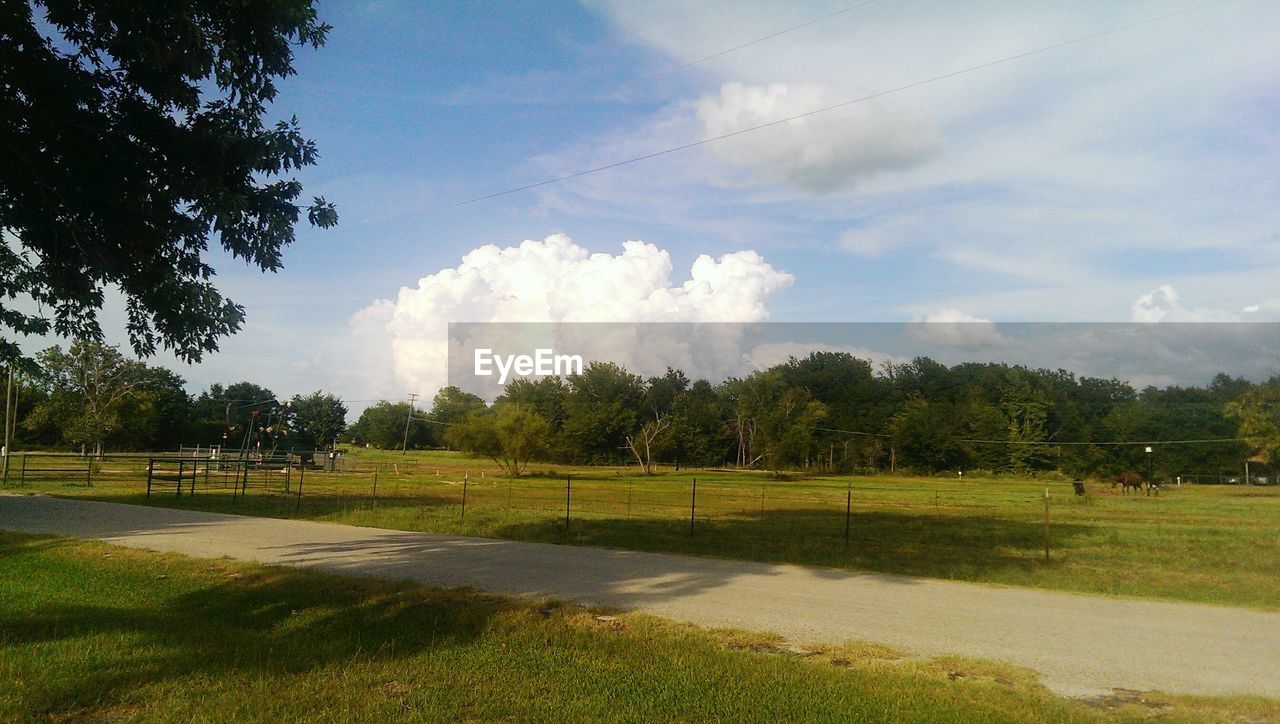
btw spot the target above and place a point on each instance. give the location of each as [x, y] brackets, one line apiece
[87, 387]
[450, 406]
[131, 135]
[699, 434]
[29, 395]
[656, 417]
[602, 407]
[1027, 409]
[925, 436]
[511, 435]
[221, 415]
[382, 426]
[774, 422]
[157, 415]
[545, 396]
[1257, 412]
[314, 421]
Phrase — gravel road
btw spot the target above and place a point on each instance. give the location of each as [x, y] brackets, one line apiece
[1081, 645]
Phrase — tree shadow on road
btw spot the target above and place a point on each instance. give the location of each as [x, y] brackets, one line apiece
[936, 546]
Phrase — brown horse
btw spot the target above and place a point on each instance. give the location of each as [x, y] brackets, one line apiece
[1126, 481]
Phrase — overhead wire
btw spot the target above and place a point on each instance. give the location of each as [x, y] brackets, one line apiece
[843, 104]
[761, 39]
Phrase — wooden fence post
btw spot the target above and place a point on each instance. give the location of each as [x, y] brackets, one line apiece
[151, 462]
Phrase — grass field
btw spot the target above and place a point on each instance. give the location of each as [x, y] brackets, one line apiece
[95, 632]
[1197, 543]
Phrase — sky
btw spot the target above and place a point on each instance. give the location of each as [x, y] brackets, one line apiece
[1128, 177]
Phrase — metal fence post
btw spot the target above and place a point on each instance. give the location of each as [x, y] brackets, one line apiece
[151, 462]
[1046, 525]
[297, 505]
[22, 476]
[568, 491]
[848, 511]
[88, 472]
[693, 505]
[466, 477]
[182, 469]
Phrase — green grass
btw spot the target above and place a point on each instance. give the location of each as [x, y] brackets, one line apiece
[1212, 544]
[95, 632]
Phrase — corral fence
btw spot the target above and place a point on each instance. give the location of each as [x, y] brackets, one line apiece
[205, 468]
[182, 475]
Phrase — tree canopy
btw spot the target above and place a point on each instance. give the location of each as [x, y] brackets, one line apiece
[132, 134]
[822, 412]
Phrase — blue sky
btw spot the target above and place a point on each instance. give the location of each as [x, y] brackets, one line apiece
[1128, 178]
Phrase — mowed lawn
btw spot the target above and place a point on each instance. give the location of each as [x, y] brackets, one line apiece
[95, 632]
[1215, 544]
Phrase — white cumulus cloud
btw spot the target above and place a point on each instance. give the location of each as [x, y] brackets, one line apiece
[1163, 304]
[822, 153]
[553, 280]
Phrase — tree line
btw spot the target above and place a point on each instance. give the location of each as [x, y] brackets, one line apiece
[90, 398]
[831, 411]
[827, 411]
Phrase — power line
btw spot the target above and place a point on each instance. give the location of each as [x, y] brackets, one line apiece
[843, 104]
[852, 432]
[434, 422]
[1116, 443]
[761, 39]
[1050, 443]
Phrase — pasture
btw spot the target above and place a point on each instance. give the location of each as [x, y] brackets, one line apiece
[93, 632]
[1214, 544]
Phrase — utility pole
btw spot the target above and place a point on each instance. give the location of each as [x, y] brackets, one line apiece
[413, 396]
[8, 396]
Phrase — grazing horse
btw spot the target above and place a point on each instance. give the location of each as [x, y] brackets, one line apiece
[1126, 481]
[1153, 488]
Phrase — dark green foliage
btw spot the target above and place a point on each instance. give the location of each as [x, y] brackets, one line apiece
[131, 135]
[382, 426]
[451, 406]
[603, 405]
[314, 421]
[827, 412]
[511, 435]
[91, 397]
[222, 415]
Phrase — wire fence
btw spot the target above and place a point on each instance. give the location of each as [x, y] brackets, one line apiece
[809, 512]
